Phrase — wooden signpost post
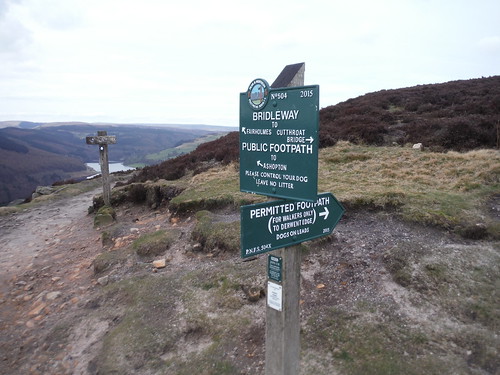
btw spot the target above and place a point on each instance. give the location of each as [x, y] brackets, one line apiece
[103, 139]
[279, 158]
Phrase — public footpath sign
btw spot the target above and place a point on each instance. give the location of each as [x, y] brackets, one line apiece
[279, 141]
[272, 225]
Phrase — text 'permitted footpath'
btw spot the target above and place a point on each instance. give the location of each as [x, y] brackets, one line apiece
[279, 141]
[272, 225]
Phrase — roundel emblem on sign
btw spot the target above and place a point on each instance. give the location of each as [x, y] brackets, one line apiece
[258, 93]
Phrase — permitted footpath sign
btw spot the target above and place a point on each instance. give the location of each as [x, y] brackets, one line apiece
[279, 141]
[276, 224]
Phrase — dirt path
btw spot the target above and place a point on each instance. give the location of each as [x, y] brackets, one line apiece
[47, 276]
[45, 268]
[30, 233]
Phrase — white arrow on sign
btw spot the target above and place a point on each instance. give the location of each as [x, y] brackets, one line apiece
[259, 163]
[325, 213]
[310, 139]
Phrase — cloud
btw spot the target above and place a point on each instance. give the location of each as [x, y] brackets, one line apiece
[159, 61]
[490, 44]
[14, 36]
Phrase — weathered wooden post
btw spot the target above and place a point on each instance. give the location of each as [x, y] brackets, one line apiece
[279, 143]
[102, 139]
[283, 327]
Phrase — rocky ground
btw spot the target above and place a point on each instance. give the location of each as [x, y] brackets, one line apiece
[47, 278]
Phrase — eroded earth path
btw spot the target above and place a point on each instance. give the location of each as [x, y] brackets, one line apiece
[45, 268]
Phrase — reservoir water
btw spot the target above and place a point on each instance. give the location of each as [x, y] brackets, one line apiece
[113, 167]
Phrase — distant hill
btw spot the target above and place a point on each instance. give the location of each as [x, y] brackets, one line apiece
[459, 115]
[40, 154]
[223, 150]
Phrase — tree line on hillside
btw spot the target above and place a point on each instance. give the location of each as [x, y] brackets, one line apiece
[458, 115]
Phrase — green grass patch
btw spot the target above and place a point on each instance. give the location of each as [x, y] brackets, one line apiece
[108, 259]
[61, 192]
[210, 361]
[213, 313]
[213, 189]
[184, 148]
[216, 236]
[372, 347]
[443, 189]
[462, 280]
[145, 326]
[105, 216]
[155, 243]
[449, 190]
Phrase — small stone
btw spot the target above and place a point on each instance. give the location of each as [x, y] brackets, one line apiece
[28, 287]
[160, 263]
[53, 295]
[418, 146]
[37, 309]
[134, 230]
[103, 280]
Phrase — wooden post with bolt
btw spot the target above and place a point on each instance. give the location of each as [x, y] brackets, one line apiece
[103, 139]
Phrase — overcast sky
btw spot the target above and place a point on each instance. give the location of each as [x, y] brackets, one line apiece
[162, 61]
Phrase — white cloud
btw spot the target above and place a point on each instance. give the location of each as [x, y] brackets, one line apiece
[164, 61]
[14, 36]
[491, 44]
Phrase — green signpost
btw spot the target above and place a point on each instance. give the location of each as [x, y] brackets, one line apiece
[279, 158]
[279, 141]
[272, 225]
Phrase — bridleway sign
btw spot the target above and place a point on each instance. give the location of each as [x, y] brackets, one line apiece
[279, 141]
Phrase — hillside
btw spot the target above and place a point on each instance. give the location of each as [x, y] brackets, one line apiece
[407, 283]
[32, 155]
[458, 116]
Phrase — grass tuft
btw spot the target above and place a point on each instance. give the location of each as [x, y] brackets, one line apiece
[156, 243]
[216, 236]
